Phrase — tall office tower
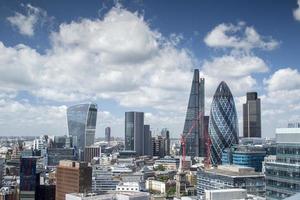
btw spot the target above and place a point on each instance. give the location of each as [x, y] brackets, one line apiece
[82, 120]
[147, 140]
[282, 175]
[134, 132]
[107, 134]
[165, 133]
[2, 163]
[28, 178]
[206, 136]
[195, 144]
[252, 116]
[72, 177]
[223, 123]
[158, 146]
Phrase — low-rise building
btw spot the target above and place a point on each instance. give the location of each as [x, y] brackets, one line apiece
[230, 176]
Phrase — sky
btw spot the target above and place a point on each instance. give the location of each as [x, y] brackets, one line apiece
[139, 56]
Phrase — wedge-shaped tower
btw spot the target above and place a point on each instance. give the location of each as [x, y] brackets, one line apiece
[193, 126]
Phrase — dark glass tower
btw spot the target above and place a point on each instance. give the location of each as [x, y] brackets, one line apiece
[82, 120]
[223, 123]
[195, 141]
[134, 132]
[252, 116]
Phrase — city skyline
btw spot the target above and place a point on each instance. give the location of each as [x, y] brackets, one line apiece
[49, 63]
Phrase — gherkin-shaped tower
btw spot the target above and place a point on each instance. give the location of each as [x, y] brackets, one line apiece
[223, 123]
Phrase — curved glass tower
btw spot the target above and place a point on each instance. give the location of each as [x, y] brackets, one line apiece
[82, 120]
[223, 123]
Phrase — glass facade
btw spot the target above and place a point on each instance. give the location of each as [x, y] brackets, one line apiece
[134, 132]
[82, 120]
[283, 175]
[252, 116]
[223, 123]
[195, 144]
[248, 156]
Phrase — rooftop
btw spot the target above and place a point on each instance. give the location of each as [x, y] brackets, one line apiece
[234, 171]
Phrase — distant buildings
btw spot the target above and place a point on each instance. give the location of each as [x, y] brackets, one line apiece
[72, 176]
[252, 116]
[147, 141]
[91, 152]
[223, 123]
[82, 120]
[230, 176]
[107, 134]
[195, 143]
[283, 174]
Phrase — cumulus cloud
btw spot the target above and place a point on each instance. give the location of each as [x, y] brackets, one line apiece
[118, 57]
[278, 80]
[296, 12]
[25, 23]
[239, 36]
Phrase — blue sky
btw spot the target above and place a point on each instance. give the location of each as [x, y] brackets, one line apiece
[139, 55]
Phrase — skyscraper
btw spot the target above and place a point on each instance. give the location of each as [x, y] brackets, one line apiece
[71, 177]
[82, 120]
[147, 140]
[252, 116]
[223, 123]
[195, 144]
[134, 132]
[107, 134]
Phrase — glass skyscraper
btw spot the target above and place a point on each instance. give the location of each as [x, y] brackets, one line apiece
[82, 120]
[195, 143]
[223, 123]
[252, 116]
[134, 132]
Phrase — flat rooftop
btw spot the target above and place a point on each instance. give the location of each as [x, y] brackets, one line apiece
[234, 171]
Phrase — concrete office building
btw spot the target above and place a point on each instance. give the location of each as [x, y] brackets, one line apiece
[90, 152]
[283, 174]
[102, 180]
[252, 116]
[230, 176]
[72, 176]
[134, 132]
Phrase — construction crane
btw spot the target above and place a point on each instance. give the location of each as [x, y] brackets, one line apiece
[183, 137]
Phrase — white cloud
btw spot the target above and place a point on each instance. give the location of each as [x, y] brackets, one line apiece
[25, 23]
[119, 58]
[240, 37]
[19, 118]
[284, 79]
[297, 12]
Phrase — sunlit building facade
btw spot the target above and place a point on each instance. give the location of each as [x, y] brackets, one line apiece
[223, 123]
[82, 120]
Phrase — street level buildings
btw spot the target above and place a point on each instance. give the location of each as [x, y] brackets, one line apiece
[283, 174]
[230, 176]
[72, 176]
